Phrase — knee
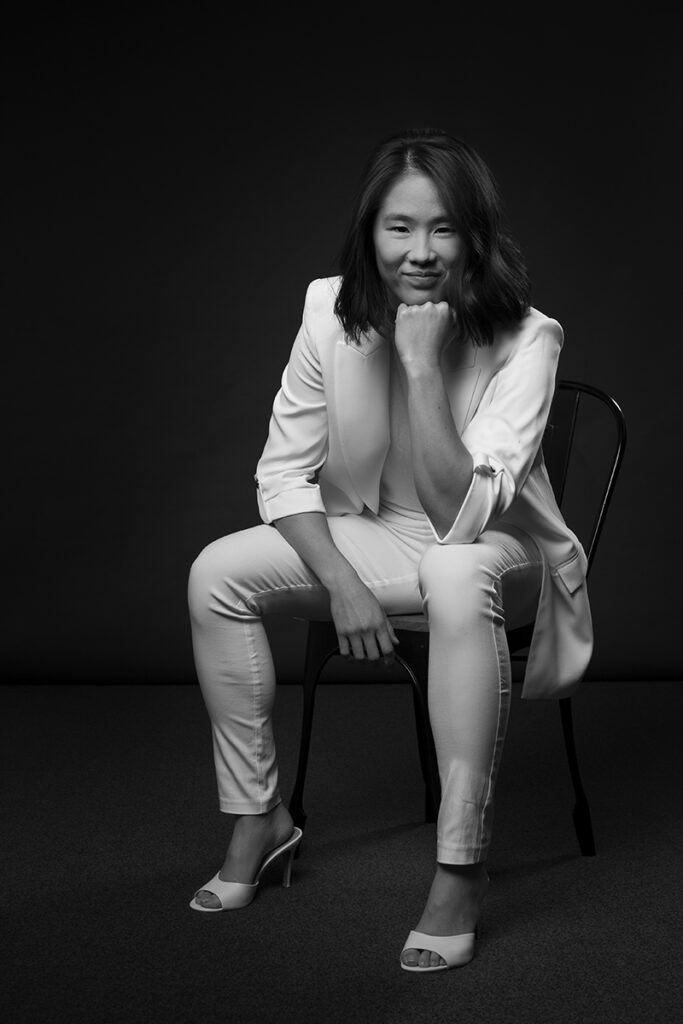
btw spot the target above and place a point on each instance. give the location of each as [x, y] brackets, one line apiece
[452, 565]
[456, 582]
[211, 576]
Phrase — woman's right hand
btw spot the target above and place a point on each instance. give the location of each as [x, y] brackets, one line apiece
[363, 629]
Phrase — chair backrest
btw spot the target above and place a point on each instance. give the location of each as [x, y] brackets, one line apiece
[573, 411]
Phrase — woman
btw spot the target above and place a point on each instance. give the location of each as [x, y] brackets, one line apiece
[402, 472]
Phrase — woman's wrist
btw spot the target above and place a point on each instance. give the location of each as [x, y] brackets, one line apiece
[338, 576]
[422, 373]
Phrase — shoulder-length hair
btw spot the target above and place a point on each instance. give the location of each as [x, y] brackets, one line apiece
[492, 287]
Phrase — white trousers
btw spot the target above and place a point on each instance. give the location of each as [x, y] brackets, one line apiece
[470, 593]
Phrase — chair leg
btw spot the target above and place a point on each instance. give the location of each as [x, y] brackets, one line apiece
[581, 813]
[296, 806]
[416, 648]
[320, 645]
[427, 757]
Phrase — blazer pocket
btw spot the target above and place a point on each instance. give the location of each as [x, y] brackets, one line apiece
[571, 572]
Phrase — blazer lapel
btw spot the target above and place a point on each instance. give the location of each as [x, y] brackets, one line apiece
[361, 395]
[461, 374]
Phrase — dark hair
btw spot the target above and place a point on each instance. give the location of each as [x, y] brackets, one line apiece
[493, 286]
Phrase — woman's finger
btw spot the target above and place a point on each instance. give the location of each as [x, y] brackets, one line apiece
[357, 647]
[386, 645]
[371, 648]
[343, 644]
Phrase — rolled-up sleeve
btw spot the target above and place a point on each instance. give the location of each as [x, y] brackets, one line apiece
[506, 431]
[296, 448]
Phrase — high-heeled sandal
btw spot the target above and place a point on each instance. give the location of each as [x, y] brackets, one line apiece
[234, 895]
[456, 950]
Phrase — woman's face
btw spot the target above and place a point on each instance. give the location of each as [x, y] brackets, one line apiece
[416, 244]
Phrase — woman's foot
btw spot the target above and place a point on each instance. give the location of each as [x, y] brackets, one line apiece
[453, 908]
[253, 836]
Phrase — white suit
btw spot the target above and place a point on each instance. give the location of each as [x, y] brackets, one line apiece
[337, 445]
[329, 436]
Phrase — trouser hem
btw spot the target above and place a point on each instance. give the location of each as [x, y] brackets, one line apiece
[462, 855]
[248, 806]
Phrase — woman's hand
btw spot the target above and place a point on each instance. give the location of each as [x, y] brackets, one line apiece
[422, 333]
[363, 629]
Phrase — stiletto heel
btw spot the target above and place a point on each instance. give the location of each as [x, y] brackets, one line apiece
[234, 895]
[287, 872]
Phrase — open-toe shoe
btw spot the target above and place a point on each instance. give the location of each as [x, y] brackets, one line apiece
[234, 895]
[456, 950]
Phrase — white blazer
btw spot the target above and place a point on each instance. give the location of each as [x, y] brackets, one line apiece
[329, 436]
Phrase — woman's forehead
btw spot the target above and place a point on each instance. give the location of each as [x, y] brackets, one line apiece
[412, 194]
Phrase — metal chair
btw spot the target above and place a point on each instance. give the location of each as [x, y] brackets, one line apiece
[560, 454]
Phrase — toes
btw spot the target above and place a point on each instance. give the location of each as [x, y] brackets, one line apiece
[207, 899]
[422, 958]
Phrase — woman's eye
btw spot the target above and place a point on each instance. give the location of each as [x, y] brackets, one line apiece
[400, 228]
[446, 229]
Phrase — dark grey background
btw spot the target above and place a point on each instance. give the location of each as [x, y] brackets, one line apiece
[176, 182]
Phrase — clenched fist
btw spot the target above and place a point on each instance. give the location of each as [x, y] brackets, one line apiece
[422, 333]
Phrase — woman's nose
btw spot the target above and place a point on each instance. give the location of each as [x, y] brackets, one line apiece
[421, 249]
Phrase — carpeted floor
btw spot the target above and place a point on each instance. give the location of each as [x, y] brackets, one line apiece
[110, 822]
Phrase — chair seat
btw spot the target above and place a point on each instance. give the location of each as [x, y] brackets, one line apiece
[518, 639]
[417, 623]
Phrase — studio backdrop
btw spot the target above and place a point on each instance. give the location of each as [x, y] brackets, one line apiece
[175, 186]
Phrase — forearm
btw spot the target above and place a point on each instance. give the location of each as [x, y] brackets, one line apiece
[442, 465]
[309, 535]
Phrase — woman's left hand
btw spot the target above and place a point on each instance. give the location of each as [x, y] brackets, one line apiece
[422, 333]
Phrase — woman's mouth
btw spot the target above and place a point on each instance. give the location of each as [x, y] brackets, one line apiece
[422, 279]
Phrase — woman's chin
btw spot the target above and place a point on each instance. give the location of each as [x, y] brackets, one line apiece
[413, 296]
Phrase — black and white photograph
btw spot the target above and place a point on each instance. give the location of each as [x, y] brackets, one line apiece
[340, 673]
